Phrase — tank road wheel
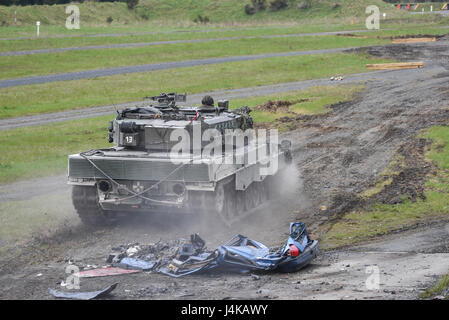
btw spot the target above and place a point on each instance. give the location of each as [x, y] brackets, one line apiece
[239, 203]
[222, 202]
[262, 190]
[251, 197]
[85, 201]
[273, 186]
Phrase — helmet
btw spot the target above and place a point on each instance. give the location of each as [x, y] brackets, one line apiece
[208, 101]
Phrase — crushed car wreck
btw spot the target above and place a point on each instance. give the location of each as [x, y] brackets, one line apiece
[180, 258]
[241, 254]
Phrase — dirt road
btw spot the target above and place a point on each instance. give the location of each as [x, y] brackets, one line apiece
[337, 156]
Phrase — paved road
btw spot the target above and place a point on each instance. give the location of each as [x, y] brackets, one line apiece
[42, 119]
[153, 67]
[154, 43]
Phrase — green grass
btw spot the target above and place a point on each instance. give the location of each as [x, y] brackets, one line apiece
[47, 147]
[318, 98]
[51, 63]
[438, 288]
[65, 95]
[382, 218]
[91, 13]
[170, 11]
[385, 177]
[187, 33]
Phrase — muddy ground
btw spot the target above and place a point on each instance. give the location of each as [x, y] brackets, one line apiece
[337, 156]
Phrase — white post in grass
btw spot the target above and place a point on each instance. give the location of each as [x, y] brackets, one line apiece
[431, 8]
[38, 23]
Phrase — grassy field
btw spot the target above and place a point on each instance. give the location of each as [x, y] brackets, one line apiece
[125, 35]
[65, 95]
[47, 147]
[438, 288]
[50, 63]
[42, 64]
[383, 218]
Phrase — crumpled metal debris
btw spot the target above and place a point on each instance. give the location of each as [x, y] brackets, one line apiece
[103, 272]
[240, 254]
[83, 295]
[137, 264]
[243, 255]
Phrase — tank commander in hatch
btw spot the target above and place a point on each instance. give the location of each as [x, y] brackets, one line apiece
[207, 103]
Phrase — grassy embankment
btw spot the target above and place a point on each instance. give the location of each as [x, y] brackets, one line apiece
[178, 12]
[380, 218]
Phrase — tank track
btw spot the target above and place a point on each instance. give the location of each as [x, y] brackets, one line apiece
[85, 201]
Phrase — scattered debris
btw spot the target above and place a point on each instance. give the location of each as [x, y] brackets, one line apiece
[414, 40]
[133, 250]
[255, 277]
[137, 264]
[83, 295]
[338, 78]
[396, 65]
[240, 254]
[103, 272]
[278, 105]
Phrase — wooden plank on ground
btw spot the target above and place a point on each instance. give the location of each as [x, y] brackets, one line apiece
[414, 40]
[396, 65]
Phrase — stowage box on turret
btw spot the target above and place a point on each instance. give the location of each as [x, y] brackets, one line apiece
[177, 158]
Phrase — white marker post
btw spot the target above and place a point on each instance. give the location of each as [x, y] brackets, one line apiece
[38, 23]
[385, 15]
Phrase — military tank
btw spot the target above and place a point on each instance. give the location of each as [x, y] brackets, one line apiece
[143, 173]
